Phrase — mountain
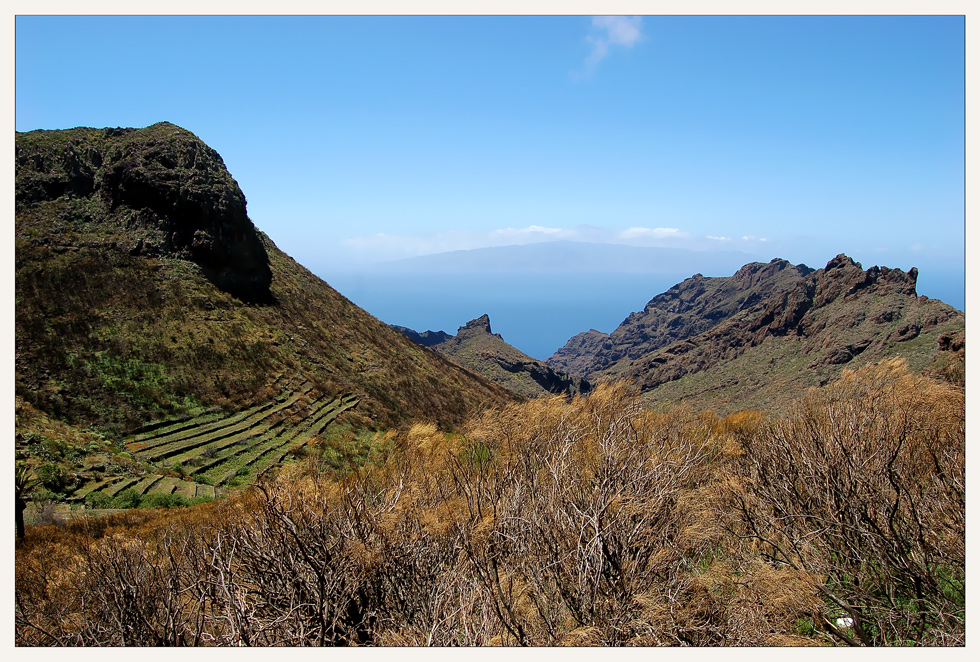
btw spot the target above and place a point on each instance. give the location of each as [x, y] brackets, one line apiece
[426, 338]
[538, 295]
[578, 257]
[144, 292]
[476, 347]
[686, 309]
[767, 349]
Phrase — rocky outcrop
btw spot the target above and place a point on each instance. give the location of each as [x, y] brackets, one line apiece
[476, 347]
[476, 329]
[685, 310]
[161, 189]
[809, 332]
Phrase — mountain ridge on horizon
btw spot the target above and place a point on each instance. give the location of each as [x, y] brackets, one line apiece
[564, 256]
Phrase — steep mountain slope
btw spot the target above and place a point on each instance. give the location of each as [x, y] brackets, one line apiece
[143, 291]
[476, 347]
[767, 353]
[685, 310]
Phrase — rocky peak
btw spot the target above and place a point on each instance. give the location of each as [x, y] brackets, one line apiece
[843, 277]
[809, 328]
[480, 325]
[686, 309]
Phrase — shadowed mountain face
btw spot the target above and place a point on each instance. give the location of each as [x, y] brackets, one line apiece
[476, 347]
[143, 291]
[426, 338]
[768, 349]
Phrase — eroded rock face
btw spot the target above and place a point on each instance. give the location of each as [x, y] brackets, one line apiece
[831, 315]
[689, 308]
[475, 328]
[165, 192]
[577, 355]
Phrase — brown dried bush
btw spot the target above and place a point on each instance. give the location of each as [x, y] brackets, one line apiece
[864, 488]
[590, 521]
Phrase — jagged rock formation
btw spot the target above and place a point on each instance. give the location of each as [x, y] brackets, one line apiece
[143, 291]
[476, 347]
[764, 354]
[685, 310]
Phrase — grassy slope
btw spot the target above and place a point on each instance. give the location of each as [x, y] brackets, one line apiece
[110, 336]
[112, 340]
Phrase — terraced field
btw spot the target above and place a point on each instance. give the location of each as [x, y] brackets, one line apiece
[205, 455]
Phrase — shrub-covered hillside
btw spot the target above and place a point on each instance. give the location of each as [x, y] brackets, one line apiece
[143, 291]
[555, 522]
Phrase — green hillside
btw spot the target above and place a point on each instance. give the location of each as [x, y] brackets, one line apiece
[144, 293]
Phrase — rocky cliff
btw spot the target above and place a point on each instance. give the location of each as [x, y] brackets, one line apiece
[476, 347]
[155, 192]
[687, 309]
[799, 336]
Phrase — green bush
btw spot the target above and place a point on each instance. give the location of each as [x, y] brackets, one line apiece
[128, 498]
[98, 500]
[55, 477]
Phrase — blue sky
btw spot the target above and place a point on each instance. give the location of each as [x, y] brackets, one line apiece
[358, 139]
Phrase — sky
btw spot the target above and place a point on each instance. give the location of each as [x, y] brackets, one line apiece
[365, 139]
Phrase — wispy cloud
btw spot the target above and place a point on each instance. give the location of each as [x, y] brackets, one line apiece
[529, 230]
[620, 31]
[383, 247]
[652, 233]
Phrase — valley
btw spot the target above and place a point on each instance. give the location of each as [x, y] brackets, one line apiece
[771, 458]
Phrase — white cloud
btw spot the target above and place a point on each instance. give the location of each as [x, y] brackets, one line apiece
[622, 31]
[653, 233]
[382, 247]
[600, 49]
[531, 229]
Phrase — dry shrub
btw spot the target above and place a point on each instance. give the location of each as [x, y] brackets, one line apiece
[587, 521]
[584, 503]
[864, 487]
